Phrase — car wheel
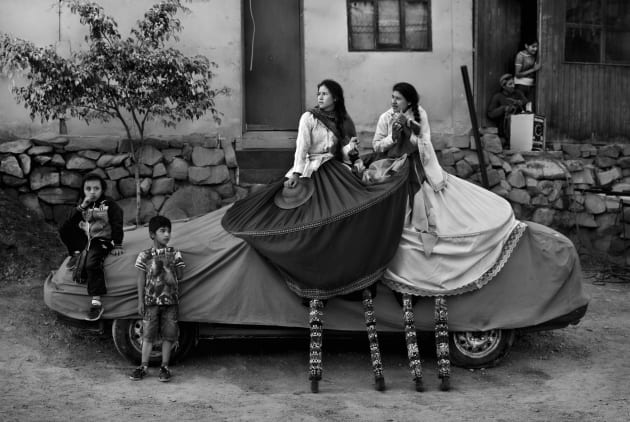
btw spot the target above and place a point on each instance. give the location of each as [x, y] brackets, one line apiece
[479, 349]
[127, 335]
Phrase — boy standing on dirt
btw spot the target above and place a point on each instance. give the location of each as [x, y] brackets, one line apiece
[160, 269]
[95, 225]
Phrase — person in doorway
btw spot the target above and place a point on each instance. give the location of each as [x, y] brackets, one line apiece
[96, 227]
[160, 269]
[526, 65]
[504, 103]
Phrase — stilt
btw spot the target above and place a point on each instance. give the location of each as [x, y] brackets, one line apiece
[441, 343]
[315, 349]
[413, 352]
[375, 352]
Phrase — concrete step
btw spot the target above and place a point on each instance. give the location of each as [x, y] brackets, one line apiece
[263, 165]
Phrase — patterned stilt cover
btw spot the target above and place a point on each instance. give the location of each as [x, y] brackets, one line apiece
[441, 342]
[413, 351]
[315, 348]
[375, 352]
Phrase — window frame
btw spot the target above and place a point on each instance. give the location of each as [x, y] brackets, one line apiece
[602, 27]
[403, 26]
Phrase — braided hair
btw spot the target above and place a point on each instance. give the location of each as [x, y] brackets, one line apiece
[411, 95]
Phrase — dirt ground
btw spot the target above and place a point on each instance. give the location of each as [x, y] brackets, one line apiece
[52, 372]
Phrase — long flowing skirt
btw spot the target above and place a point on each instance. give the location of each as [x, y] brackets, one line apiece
[471, 234]
[339, 241]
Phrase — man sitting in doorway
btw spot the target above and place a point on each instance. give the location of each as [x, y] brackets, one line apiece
[504, 103]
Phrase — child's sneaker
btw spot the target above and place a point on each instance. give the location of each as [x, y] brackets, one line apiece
[165, 374]
[95, 312]
[138, 373]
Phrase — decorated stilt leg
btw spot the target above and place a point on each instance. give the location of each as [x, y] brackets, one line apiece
[315, 349]
[375, 352]
[413, 352]
[441, 343]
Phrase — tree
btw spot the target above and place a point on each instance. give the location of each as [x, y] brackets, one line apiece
[133, 80]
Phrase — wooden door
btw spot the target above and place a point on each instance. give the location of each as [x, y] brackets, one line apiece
[272, 65]
[498, 25]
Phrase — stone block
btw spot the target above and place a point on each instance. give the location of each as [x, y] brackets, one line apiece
[127, 187]
[594, 203]
[584, 219]
[225, 190]
[516, 159]
[13, 181]
[159, 170]
[42, 177]
[128, 205]
[588, 150]
[149, 155]
[516, 179]
[607, 177]
[158, 201]
[39, 150]
[117, 173]
[15, 147]
[545, 187]
[50, 139]
[145, 186]
[103, 143]
[112, 190]
[229, 153]
[178, 169]
[163, 186]
[605, 162]
[463, 169]
[572, 150]
[621, 187]
[208, 175]
[202, 157]
[75, 162]
[612, 151]
[171, 153]
[11, 166]
[71, 179]
[90, 154]
[540, 201]
[105, 161]
[25, 163]
[574, 165]
[189, 201]
[42, 160]
[519, 196]
[583, 177]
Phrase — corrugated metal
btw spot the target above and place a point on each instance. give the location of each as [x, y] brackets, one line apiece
[580, 101]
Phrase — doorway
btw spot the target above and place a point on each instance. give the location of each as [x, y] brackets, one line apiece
[501, 27]
[273, 72]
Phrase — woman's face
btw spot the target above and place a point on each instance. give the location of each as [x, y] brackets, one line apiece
[532, 48]
[92, 190]
[325, 100]
[399, 103]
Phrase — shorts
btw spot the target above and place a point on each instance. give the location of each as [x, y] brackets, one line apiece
[160, 319]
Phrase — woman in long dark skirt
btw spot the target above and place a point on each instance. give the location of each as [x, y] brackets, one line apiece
[327, 233]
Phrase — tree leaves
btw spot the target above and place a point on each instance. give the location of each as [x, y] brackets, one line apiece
[133, 80]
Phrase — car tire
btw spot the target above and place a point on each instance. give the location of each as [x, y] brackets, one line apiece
[479, 349]
[127, 335]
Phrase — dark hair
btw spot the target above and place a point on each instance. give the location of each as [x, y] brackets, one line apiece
[411, 95]
[93, 176]
[340, 103]
[530, 41]
[157, 222]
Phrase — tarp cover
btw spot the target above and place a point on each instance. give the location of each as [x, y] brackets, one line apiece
[227, 281]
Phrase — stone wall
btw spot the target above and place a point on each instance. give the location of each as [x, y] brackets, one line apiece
[180, 176]
[570, 188]
[582, 190]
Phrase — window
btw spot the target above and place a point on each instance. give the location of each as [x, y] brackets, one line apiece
[597, 31]
[389, 25]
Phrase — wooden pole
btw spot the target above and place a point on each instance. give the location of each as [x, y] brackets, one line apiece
[475, 126]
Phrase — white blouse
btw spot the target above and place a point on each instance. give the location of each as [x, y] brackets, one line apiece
[315, 144]
[383, 135]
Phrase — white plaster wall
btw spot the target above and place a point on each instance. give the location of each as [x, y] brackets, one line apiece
[367, 77]
[212, 29]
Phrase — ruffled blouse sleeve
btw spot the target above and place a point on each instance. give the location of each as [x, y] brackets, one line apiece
[382, 135]
[303, 144]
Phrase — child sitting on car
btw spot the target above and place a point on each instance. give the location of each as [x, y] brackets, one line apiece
[160, 269]
[95, 226]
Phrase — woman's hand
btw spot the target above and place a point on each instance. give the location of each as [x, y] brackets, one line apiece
[292, 181]
[117, 251]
